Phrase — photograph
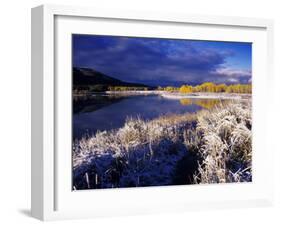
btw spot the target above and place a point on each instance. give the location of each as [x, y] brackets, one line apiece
[149, 111]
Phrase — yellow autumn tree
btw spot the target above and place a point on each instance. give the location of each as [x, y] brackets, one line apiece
[220, 88]
[207, 87]
[186, 89]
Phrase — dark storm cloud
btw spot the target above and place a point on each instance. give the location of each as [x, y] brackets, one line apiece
[155, 61]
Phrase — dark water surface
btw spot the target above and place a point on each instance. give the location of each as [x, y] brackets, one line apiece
[106, 112]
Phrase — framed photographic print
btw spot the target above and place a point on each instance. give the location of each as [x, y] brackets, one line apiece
[137, 112]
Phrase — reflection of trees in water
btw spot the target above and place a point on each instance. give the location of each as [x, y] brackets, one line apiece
[205, 103]
[90, 103]
[185, 102]
[208, 104]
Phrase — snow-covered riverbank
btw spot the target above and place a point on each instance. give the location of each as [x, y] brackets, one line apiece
[226, 96]
[216, 142]
[178, 95]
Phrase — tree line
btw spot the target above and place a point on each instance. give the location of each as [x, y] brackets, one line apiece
[127, 88]
[210, 87]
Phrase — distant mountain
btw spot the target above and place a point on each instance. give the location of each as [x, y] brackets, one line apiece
[87, 78]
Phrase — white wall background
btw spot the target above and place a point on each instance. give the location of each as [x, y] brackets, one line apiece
[15, 111]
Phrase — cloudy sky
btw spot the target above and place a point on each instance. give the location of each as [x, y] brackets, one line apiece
[164, 62]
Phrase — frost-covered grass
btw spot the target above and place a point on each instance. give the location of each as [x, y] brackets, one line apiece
[139, 154]
[225, 144]
[147, 153]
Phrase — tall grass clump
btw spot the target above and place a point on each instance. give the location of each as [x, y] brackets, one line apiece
[225, 144]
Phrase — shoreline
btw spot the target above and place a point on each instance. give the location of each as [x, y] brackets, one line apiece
[226, 96]
[177, 95]
[173, 95]
[135, 92]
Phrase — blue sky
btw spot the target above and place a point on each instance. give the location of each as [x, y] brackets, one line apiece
[164, 62]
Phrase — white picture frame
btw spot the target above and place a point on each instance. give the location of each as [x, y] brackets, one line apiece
[52, 196]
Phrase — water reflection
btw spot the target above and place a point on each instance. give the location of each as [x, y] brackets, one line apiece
[90, 103]
[204, 103]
